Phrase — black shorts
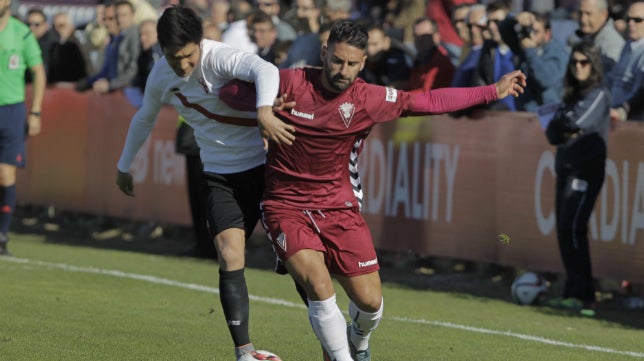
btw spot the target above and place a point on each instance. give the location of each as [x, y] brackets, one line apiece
[233, 200]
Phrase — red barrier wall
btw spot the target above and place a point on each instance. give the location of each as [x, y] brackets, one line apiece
[72, 163]
[434, 185]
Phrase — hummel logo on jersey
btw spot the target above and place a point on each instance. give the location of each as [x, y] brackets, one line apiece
[346, 111]
[302, 114]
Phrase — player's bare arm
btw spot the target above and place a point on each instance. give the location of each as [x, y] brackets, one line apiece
[125, 183]
[511, 83]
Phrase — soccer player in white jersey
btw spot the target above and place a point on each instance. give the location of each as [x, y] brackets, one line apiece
[189, 77]
[310, 210]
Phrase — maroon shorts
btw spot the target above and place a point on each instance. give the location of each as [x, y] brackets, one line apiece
[341, 234]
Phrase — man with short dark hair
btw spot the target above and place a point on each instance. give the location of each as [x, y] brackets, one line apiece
[189, 77]
[542, 58]
[386, 59]
[310, 208]
[432, 67]
[262, 32]
[285, 31]
[46, 36]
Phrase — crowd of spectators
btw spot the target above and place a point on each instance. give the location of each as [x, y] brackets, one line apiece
[414, 45]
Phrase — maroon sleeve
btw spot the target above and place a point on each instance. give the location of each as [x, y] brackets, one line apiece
[383, 104]
[445, 100]
[239, 95]
[242, 95]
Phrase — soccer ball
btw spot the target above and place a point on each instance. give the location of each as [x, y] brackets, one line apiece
[529, 289]
[260, 355]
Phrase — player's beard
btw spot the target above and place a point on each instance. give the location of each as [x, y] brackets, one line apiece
[333, 81]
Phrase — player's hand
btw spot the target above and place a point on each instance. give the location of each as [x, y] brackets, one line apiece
[33, 125]
[125, 183]
[273, 128]
[281, 103]
[511, 83]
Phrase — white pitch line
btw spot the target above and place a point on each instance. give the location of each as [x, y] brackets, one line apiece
[277, 301]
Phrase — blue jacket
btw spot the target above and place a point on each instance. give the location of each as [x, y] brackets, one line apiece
[627, 77]
[545, 69]
[468, 73]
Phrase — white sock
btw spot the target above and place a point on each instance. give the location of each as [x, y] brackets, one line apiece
[363, 324]
[330, 327]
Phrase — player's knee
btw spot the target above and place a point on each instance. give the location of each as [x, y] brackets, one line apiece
[230, 255]
[318, 289]
[372, 305]
[369, 301]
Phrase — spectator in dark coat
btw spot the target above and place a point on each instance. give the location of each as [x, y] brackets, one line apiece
[46, 36]
[66, 61]
[432, 67]
[387, 60]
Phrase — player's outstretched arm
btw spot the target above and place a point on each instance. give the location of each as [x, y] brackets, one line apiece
[444, 100]
[125, 183]
[511, 84]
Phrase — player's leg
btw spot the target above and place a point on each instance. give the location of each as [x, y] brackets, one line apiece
[365, 310]
[297, 243]
[7, 203]
[12, 149]
[233, 211]
[353, 262]
[308, 268]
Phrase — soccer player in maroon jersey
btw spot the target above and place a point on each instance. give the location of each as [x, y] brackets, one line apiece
[310, 211]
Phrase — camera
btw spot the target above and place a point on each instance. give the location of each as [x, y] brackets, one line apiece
[523, 31]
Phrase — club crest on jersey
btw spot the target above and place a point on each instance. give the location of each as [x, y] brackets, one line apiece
[346, 111]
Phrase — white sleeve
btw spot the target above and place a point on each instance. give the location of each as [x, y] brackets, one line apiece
[232, 63]
[141, 124]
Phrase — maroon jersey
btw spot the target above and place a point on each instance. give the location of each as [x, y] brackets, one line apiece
[313, 173]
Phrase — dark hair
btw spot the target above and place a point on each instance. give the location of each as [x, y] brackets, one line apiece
[259, 17]
[36, 10]
[350, 32]
[496, 6]
[178, 26]
[422, 19]
[574, 89]
[542, 18]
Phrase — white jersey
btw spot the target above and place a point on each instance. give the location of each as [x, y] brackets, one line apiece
[230, 140]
